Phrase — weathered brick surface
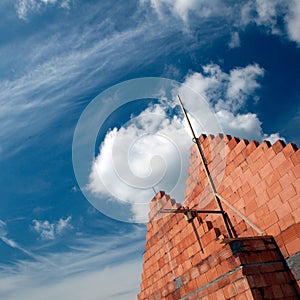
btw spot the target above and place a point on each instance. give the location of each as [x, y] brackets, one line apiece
[187, 261]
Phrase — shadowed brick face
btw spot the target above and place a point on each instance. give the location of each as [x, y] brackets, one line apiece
[197, 260]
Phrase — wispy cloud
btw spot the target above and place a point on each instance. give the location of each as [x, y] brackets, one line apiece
[89, 270]
[57, 68]
[13, 244]
[27, 7]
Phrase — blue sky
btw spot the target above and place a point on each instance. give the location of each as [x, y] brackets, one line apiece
[237, 67]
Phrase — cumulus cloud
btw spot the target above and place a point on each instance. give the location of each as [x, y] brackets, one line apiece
[149, 152]
[152, 149]
[226, 90]
[227, 95]
[49, 231]
[25, 7]
[267, 12]
[242, 83]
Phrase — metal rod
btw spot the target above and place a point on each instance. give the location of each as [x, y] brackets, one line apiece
[187, 210]
[155, 192]
[206, 170]
[259, 231]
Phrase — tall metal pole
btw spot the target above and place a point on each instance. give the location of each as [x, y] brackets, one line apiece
[206, 170]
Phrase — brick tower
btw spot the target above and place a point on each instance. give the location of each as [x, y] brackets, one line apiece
[194, 257]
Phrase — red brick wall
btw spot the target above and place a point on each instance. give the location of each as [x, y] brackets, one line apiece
[186, 261]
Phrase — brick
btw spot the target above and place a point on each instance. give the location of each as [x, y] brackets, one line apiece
[293, 246]
[269, 154]
[241, 286]
[287, 193]
[229, 291]
[288, 178]
[192, 286]
[286, 222]
[296, 215]
[238, 159]
[241, 297]
[270, 219]
[250, 148]
[283, 210]
[258, 152]
[274, 203]
[272, 178]
[274, 189]
[277, 291]
[226, 138]
[288, 290]
[296, 171]
[285, 167]
[296, 185]
[266, 170]
[241, 146]
[257, 165]
[278, 146]
[251, 206]
[261, 188]
[295, 158]
[232, 143]
[277, 160]
[219, 295]
[201, 280]
[289, 235]
[274, 230]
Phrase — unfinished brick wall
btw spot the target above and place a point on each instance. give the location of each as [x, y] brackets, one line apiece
[196, 260]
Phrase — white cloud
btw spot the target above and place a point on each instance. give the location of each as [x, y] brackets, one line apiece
[227, 94]
[151, 151]
[148, 150]
[293, 21]
[242, 83]
[235, 40]
[268, 13]
[265, 13]
[223, 90]
[49, 231]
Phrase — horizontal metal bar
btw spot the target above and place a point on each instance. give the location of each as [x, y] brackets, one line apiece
[177, 211]
[259, 231]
